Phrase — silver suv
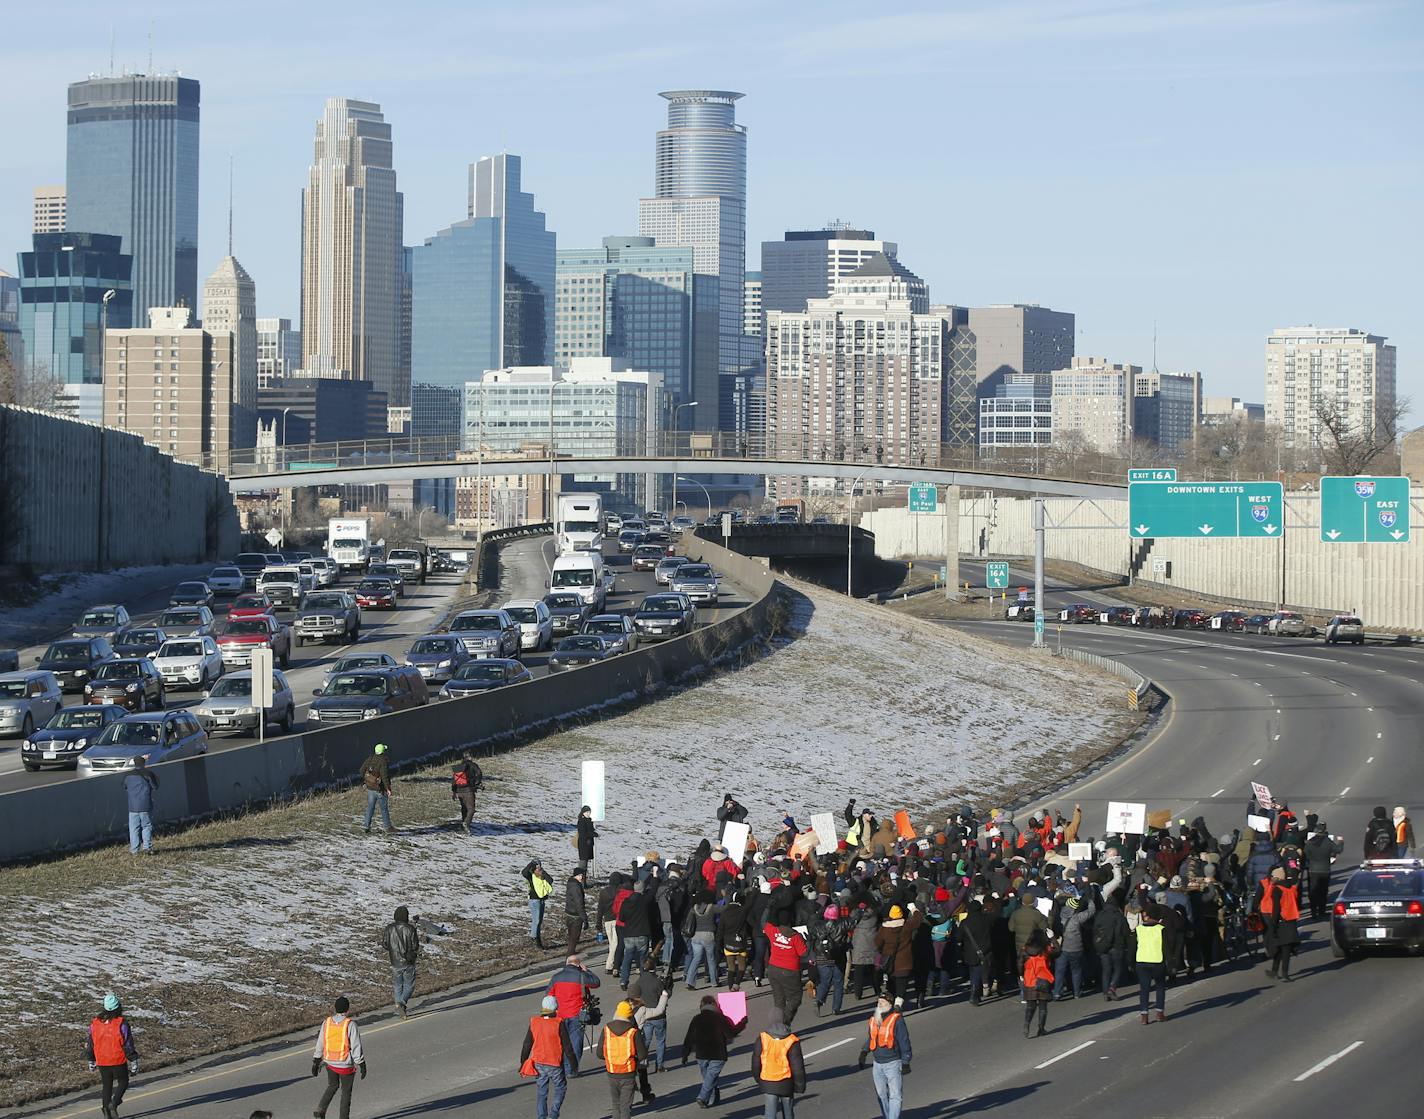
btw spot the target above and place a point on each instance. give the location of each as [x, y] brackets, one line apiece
[1344, 627]
[27, 700]
[487, 633]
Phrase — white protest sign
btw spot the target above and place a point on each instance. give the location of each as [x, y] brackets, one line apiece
[824, 825]
[1124, 816]
[1261, 825]
[593, 788]
[1080, 852]
[734, 840]
[1263, 795]
[1045, 905]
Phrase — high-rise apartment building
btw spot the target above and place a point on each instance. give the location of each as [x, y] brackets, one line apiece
[1092, 400]
[482, 295]
[49, 209]
[279, 350]
[751, 305]
[174, 385]
[352, 222]
[1020, 338]
[230, 306]
[1313, 370]
[132, 171]
[1166, 408]
[700, 201]
[808, 264]
[860, 373]
[72, 287]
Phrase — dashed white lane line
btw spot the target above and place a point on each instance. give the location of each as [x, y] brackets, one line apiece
[1276, 738]
[1345, 790]
[1076, 1049]
[1370, 760]
[1222, 790]
[1256, 762]
[1379, 734]
[1330, 1060]
[833, 1045]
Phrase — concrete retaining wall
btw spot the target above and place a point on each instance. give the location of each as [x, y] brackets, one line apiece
[71, 814]
[80, 497]
[1383, 582]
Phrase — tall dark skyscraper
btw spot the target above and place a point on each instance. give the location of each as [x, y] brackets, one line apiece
[132, 172]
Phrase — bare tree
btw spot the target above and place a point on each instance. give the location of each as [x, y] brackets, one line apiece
[1348, 447]
[36, 387]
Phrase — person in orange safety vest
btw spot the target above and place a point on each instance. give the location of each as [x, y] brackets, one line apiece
[111, 1051]
[338, 1048]
[778, 1067]
[623, 1052]
[1277, 901]
[547, 1050]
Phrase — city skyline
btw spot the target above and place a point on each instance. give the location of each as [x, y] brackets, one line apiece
[1124, 165]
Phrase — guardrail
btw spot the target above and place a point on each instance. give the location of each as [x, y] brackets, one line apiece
[487, 545]
[1140, 684]
[61, 817]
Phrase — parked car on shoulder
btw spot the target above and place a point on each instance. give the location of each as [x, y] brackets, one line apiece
[1287, 623]
[61, 742]
[1189, 618]
[326, 616]
[1229, 621]
[367, 694]
[191, 594]
[664, 615]
[189, 662]
[74, 660]
[28, 700]
[577, 650]
[1019, 612]
[376, 594]
[616, 629]
[101, 621]
[158, 736]
[226, 580]
[1345, 627]
[187, 621]
[1077, 613]
[228, 708]
[241, 635]
[482, 676]
[1257, 623]
[1117, 616]
[437, 657]
[567, 612]
[139, 641]
[536, 624]
[1152, 617]
[134, 684]
[487, 633]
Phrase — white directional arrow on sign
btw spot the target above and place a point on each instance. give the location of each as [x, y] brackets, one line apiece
[1141, 530]
[1204, 529]
[1396, 534]
[1333, 533]
[1270, 528]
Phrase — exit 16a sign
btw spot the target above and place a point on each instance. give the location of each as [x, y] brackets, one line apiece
[1364, 510]
[1205, 510]
[996, 574]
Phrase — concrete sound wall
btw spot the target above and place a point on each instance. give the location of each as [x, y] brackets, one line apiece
[80, 497]
[1384, 582]
[83, 813]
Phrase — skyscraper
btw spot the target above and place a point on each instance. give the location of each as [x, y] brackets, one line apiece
[1346, 375]
[230, 307]
[1166, 408]
[352, 228]
[808, 263]
[751, 304]
[65, 305]
[700, 201]
[49, 209]
[279, 350]
[1021, 338]
[132, 171]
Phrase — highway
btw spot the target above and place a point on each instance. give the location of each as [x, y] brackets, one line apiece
[1334, 730]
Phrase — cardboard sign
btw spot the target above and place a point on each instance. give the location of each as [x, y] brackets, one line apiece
[593, 788]
[1080, 852]
[1124, 816]
[1045, 905]
[903, 826]
[733, 1005]
[806, 841]
[734, 839]
[824, 825]
[1263, 795]
[1261, 825]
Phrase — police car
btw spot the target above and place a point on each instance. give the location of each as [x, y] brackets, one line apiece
[1381, 906]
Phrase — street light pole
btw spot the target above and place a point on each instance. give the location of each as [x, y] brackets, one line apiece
[850, 531]
[699, 485]
[677, 408]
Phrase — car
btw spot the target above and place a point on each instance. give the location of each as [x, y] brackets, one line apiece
[252, 605]
[283, 585]
[646, 556]
[487, 633]
[376, 594]
[1229, 621]
[251, 564]
[1257, 623]
[101, 621]
[156, 736]
[634, 524]
[659, 539]
[656, 518]
[536, 625]
[187, 621]
[326, 616]
[1117, 616]
[1344, 627]
[61, 742]
[437, 656]
[388, 571]
[1189, 617]
[577, 650]
[1019, 612]
[629, 538]
[1381, 905]
[354, 661]
[1151, 617]
[661, 616]
[368, 693]
[567, 612]
[228, 707]
[663, 571]
[28, 699]
[679, 525]
[74, 660]
[409, 562]
[308, 573]
[698, 581]
[275, 559]
[134, 684]
[612, 523]
[1078, 613]
[226, 580]
[241, 635]
[324, 567]
[191, 594]
[482, 676]
[139, 641]
[1287, 623]
[615, 629]
[189, 662]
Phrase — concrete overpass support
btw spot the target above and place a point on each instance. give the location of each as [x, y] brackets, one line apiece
[951, 543]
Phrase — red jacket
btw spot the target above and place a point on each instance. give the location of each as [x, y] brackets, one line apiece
[618, 899]
[712, 868]
[787, 950]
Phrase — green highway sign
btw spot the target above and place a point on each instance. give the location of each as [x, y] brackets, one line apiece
[996, 574]
[1364, 510]
[1154, 474]
[924, 497]
[1205, 509]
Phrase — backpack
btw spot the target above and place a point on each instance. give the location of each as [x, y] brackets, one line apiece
[1382, 841]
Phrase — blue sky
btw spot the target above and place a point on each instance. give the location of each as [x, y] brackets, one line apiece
[1221, 168]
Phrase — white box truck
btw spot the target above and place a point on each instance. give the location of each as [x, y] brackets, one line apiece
[579, 524]
[348, 542]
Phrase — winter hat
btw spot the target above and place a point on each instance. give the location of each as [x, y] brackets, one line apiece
[941, 894]
[882, 1004]
[832, 913]
[1037, 817]
[896, 913]
[758, 858]
[623, 1010]
[1398, 814]
[1176, 883]
[380, 747]
[550, 1004]
[111, 1002]
[1074, 903]
[789, 821]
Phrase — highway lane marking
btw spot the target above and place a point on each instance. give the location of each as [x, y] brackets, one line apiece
[833, 1045]
[1067, 1053]
[1345, 790]
[1256, 762]
[1218, 792]
[1370, 760]
[1325, 1064]
[1379, 734]
[1277, 738]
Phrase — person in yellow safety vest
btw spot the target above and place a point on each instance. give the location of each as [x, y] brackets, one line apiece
[338, 1047]
[623, 1052]
[540, 887]
[887, 1045]
[546, 1051]
[1151, 961]
[778, 1067]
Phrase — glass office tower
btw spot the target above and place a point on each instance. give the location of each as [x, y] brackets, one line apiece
[63, 280]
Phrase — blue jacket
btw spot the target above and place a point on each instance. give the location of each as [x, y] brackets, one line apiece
[139, 787]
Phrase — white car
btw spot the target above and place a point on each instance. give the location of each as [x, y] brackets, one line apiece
[189, 662]
[536, 624]
[225, 580]
[325, 568]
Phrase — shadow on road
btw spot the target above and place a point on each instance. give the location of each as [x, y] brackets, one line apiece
[226, 1095]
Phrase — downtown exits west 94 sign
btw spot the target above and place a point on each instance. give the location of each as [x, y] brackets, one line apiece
[1206, 510]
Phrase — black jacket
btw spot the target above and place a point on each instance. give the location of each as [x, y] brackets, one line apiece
[574, 906]
[636, 916]
[606, 896]
[1110, 930]
[586, 836]
[401, 942]
[707, 1036]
